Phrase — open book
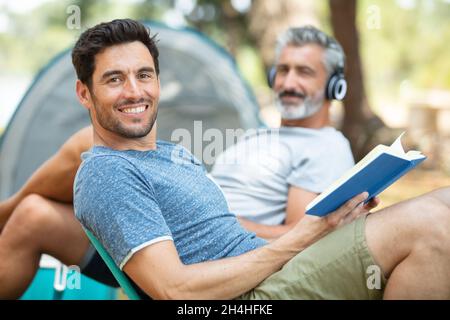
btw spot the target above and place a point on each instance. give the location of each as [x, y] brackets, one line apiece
[375, 172]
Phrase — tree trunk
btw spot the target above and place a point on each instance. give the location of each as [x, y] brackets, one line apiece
[360, 123]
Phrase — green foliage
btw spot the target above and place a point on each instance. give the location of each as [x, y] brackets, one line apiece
[33, 38]
[251, 66]
[411, 44]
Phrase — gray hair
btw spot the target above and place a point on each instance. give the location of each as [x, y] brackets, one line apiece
[334, 57]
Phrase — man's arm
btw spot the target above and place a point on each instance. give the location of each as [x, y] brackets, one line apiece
[298, 199]
[54, 178]
[158, 270]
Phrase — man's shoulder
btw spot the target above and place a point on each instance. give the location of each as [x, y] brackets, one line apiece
[103, 176]
[332, 140]
[318, 144]
[101, 158]
[98, 165]
[335, 135]
[326, 135]
[333, 143]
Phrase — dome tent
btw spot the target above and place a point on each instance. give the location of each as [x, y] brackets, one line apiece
[199, 81]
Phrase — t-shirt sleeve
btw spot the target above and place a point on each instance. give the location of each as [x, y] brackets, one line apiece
[323, 164]
[114, 201]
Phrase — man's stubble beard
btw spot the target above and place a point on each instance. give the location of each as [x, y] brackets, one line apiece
[113, 124]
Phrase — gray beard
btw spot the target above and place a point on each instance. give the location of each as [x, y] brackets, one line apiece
[306, 109]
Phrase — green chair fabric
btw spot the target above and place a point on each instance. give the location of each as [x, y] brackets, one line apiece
[121, 278]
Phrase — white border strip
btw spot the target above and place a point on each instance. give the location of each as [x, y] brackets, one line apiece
[141, 246]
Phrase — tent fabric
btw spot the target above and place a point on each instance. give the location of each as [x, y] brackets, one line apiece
[199, 82]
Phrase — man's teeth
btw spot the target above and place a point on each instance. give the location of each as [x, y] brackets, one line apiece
[134, 110]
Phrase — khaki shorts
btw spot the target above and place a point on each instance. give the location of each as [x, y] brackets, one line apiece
[339, 266]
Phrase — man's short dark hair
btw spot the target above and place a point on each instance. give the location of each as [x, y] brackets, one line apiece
[107, 34]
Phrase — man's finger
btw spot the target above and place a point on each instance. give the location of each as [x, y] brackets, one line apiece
[352, 203]
[347, 208]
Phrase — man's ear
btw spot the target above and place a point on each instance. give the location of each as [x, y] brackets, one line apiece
[83, 94]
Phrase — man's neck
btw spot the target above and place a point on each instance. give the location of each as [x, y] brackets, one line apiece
[114, 141]
[318, 120]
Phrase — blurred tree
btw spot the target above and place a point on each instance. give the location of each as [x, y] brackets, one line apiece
[87, 10]
[360, 123]
[267, 19]
[222, 21]
[150, 9]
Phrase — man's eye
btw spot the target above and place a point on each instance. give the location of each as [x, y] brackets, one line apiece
[282, 71]
[114, 80]
[306, 71]
[145, 76]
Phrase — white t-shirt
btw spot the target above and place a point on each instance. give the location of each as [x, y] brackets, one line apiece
[255, 174]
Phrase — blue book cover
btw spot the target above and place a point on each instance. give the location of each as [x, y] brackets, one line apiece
[374, 173]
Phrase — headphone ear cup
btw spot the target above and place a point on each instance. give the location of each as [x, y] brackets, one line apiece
[271, 76]
[336, 87]
[340, 89]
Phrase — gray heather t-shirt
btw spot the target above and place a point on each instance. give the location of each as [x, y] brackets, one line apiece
[132, 199]
[255, 174]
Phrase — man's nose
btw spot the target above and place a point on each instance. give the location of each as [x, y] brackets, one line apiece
[132, 89]
[290, 81]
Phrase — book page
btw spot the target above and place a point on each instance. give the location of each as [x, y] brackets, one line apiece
[413, 154]
[397, 144]
[396, 149]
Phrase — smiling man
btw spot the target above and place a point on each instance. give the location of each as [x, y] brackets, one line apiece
[271, 175]
[113, 107]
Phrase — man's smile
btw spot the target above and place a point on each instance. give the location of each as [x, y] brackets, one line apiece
[133, 109]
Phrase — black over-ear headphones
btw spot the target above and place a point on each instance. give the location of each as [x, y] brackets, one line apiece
[336, 86]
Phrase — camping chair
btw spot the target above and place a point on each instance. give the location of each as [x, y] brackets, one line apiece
[121, 278]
